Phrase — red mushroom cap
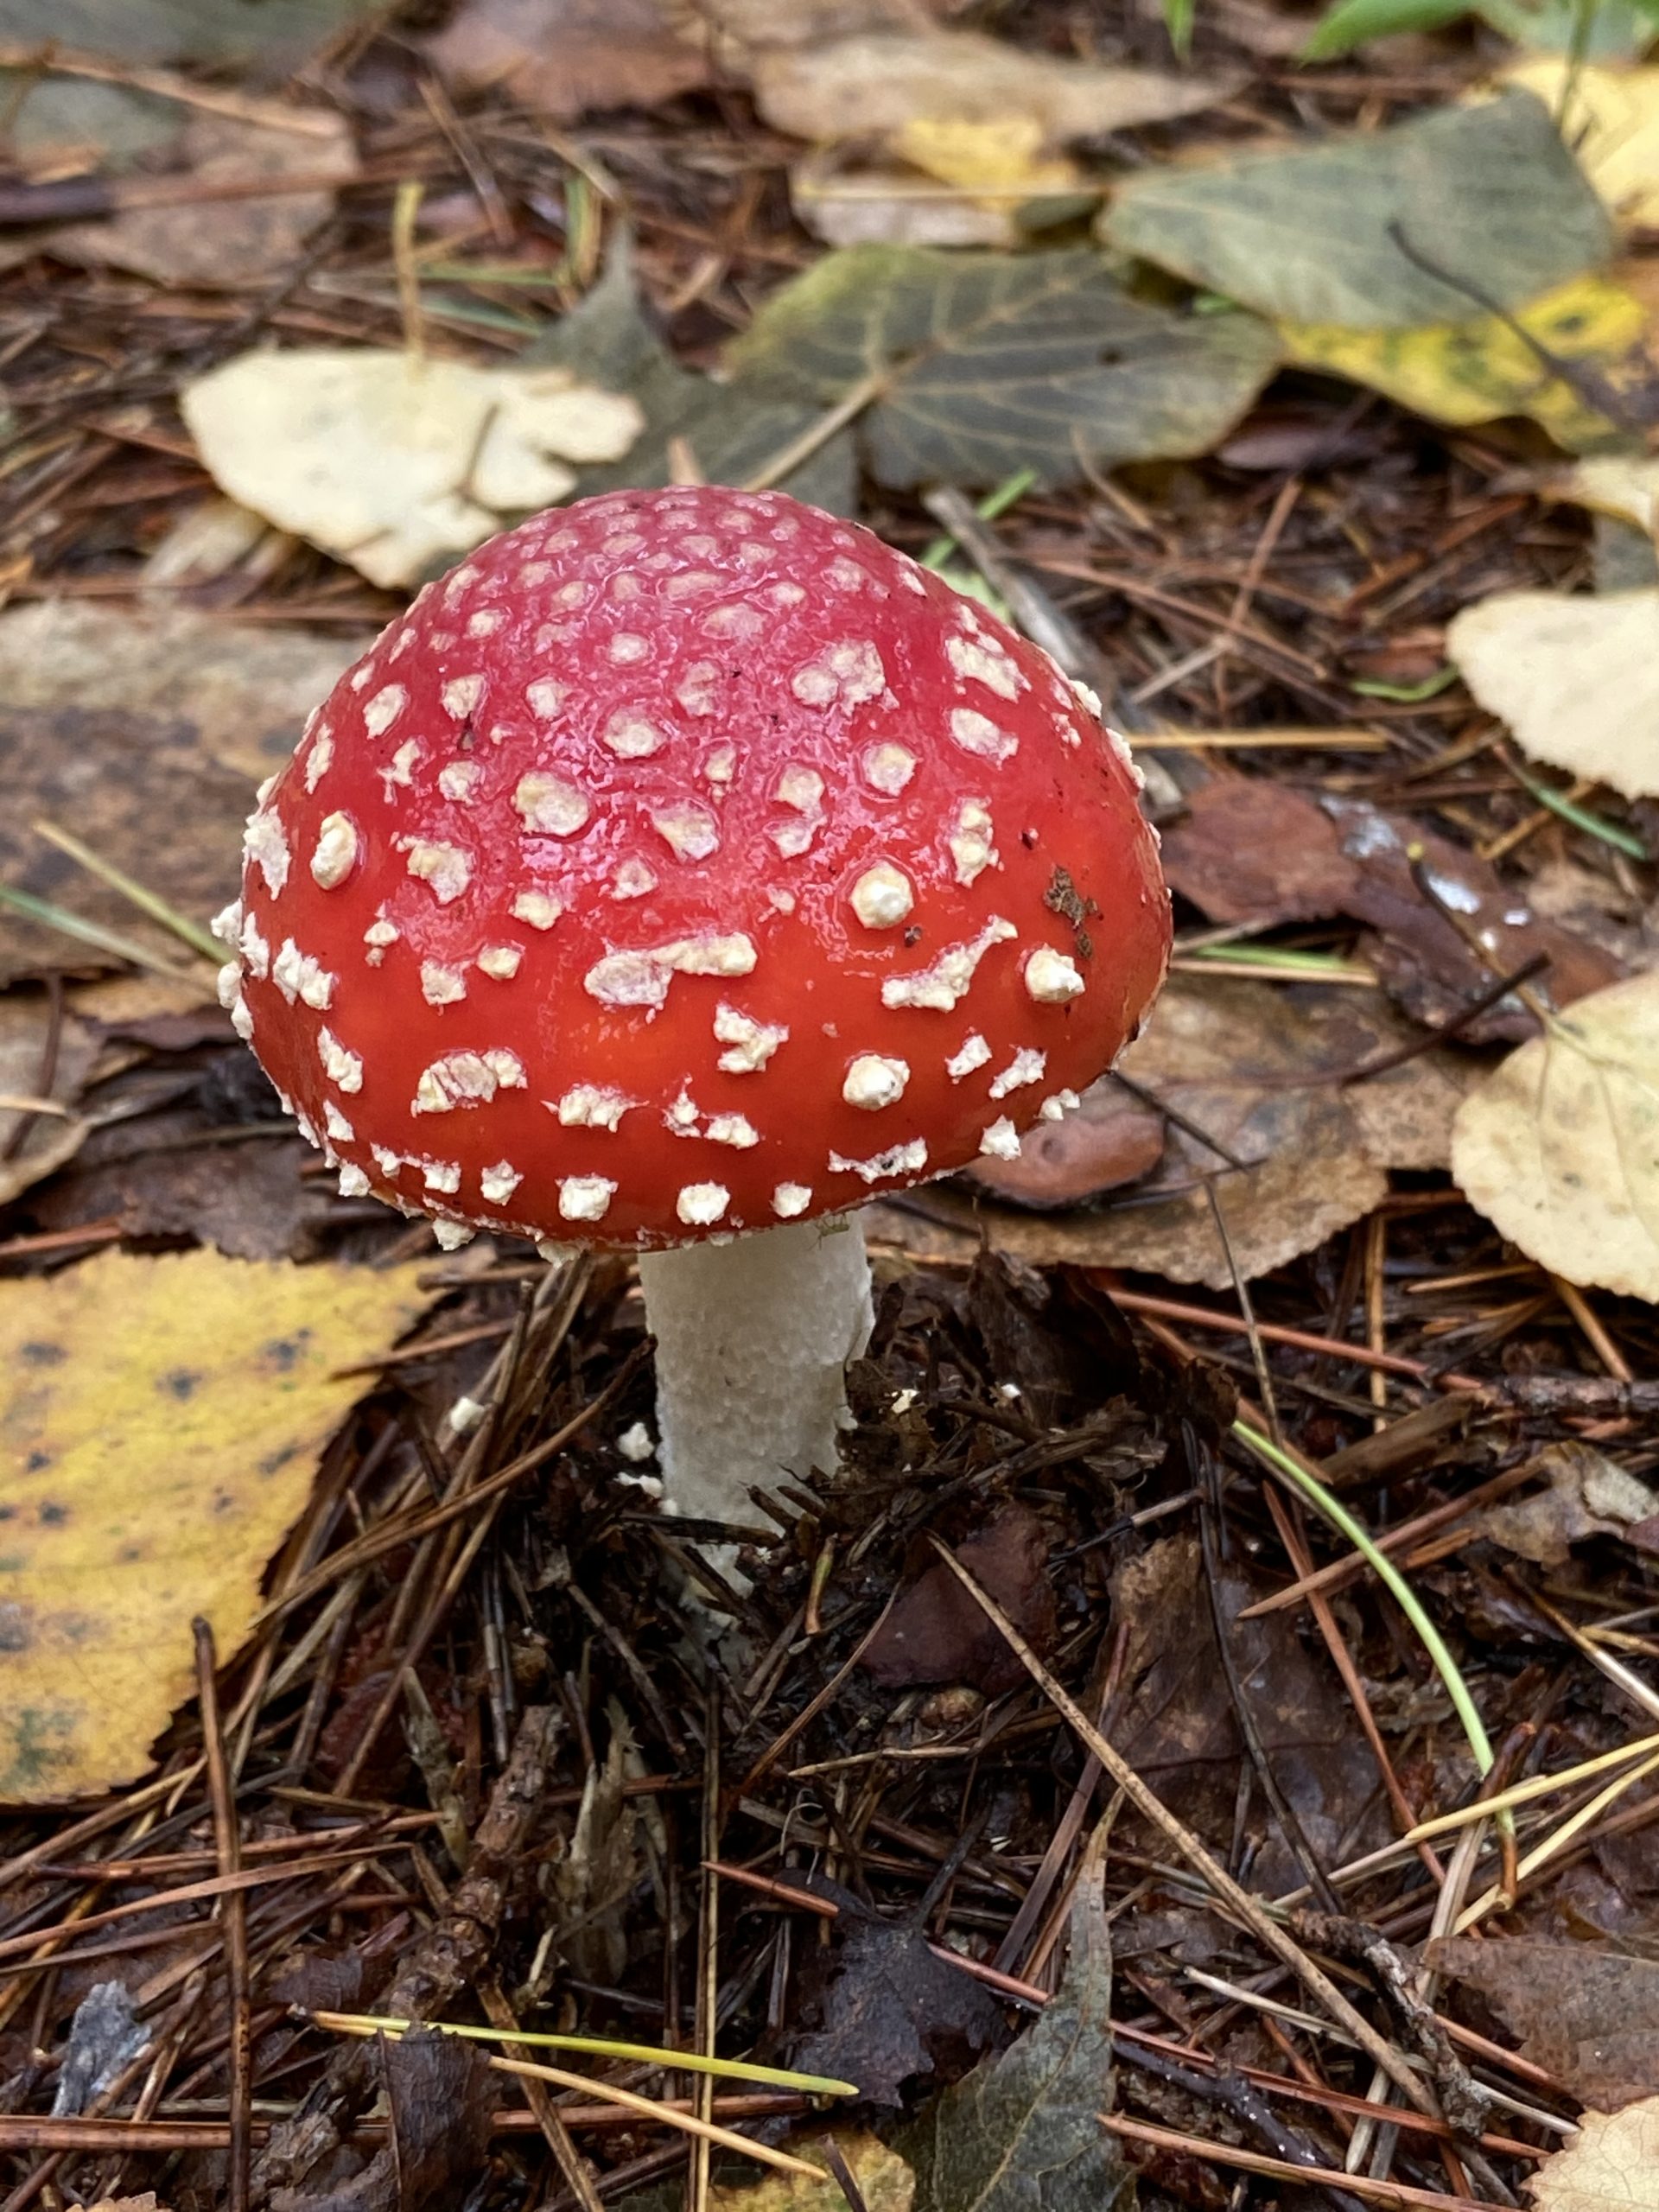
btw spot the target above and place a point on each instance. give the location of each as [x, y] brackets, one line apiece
[686, 861]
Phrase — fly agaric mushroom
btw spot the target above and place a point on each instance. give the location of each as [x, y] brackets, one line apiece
[682, 869]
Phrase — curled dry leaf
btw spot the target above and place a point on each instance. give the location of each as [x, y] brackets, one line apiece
[160, 1437]
[1576, 679]
[1559, 1148]
[566, 57]
[878, 82]
[1610, 2165]
[1589, 1495]
[392, 462]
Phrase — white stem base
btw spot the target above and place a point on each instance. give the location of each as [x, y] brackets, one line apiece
[753, 1338]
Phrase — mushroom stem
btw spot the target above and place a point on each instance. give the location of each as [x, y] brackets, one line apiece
[753, 1340]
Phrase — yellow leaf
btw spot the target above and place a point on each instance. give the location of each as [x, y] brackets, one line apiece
[1560, 1147]
[1000, 161]
[1476, 371]
[1610, 2165]
[158, 1436]
[1576, 678]
[1611, 120]
[885, 2183]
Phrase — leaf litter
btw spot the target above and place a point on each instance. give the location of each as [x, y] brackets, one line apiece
[472, 1693]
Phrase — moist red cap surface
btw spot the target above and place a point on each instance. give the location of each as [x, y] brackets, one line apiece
[687, 861]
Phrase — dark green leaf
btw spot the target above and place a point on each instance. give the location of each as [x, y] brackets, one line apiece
[731, 431]
[987, 363]
[1022, 2132]
[1488, 195]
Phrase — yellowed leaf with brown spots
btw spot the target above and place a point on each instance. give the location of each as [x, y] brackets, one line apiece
[885, 2181]
[159, 1431]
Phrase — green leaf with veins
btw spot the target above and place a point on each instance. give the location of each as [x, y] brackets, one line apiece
[1022, 2132]
[729, 431]
[1348, 231]
[981, 363]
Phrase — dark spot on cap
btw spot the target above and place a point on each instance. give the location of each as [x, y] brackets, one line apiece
[39, 1354]
[54, 1516]
[179, 1384]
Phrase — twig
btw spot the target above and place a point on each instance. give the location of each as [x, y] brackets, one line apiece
[233, 1919]
[1255, 2162]
[1151, 1808]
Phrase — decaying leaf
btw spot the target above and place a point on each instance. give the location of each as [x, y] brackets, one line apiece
[1576, 679]
[881, 2177]
[33, 1146]
[1589, 1495]
[1588, 2014]
[879, 2010]
[1559, 1148]
[877, 82]
[1610, 118]
[159, 1436]
[249, 241]
[1570, 360]
[1610, 2165]
[1315, 234]
[275, 35]
[1242, 1061]
[980, 364]
[1254, 850]
[567, 57]
[936, 1633]
[395, 463]
[1022, 2132]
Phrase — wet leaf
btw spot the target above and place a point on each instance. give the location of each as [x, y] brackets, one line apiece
[1022, 2132]
[1610, 118]
[878, 82]
[936, 1633]
[1576, 679]
[1306, 235]
[567, 57]
[884, 2181]
[1610, 2165]
[393, 463]
[1589, 1495]
[885, 2011]
[159, 1436]
[1587, 2013]
[1479, 368]
[1559, 1148]
[982, 364]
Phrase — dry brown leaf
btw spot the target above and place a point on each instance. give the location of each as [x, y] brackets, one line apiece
[1610, 2165]
[1559, 1148]
[1584, 2012]
[1576, 678]
[1589, 1495]
[392, 462]
[1234, 1056]
[27, 1028]
[878, 82]
[566, 57]
[235, 241]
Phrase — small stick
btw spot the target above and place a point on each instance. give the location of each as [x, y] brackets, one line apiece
[1396, 2193]
[1151, 1807]
[233, 1918]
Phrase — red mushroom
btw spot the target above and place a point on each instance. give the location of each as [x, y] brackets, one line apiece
[681, 870]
